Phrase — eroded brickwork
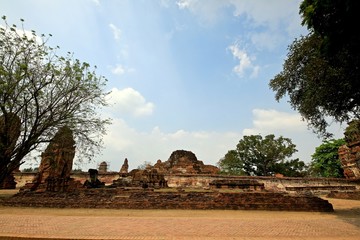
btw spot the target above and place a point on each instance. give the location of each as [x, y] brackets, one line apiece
[350, 159]
[349, 153]
[56, 164]
[130, 198]
[184, 162]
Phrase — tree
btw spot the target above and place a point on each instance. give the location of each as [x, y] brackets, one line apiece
[325, 161]
[40, 92]
[333, 21]
[292, 168]
[255, 155]
[321, 72]
[231, 164]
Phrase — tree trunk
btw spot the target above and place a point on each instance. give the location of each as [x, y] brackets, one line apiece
[4, 169]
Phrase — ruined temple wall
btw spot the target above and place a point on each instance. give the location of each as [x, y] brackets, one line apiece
[21, 178]
[284, 184]
[270, 183]
[202, 181]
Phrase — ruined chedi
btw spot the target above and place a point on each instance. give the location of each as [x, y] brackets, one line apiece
[56, 162]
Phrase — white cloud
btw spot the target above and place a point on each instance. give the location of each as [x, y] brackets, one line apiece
[208, 12]
[122, 142]
[274, 22]
[97, 2]
[245, 62]
[289, 125]
[121, 70]
[266, 40]
[270, 120]
[118, 70]
[259, 13]
[264, 12]
[129, 101]
[184, 3]
[164, 3]
[116, 31]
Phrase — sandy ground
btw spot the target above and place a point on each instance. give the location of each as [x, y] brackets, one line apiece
[40, 223]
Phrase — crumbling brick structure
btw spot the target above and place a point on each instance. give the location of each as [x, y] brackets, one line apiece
[130, 198]
[349, 153]
[185, 162]
[56, 164]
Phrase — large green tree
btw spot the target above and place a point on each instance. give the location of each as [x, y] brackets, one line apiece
[321, 73]
[334, 21]
[325, 161]
[40, 92]
[258, 156]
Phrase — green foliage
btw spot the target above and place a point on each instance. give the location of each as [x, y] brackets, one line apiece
[325, 161]
[320, 74]
[46, 91]
[231, 164]
[352, 131]
[292, 168]
[315, 88]
[333, 21]
[258, 156]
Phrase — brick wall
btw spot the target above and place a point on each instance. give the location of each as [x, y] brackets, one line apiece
[319, 185]
[120, 198]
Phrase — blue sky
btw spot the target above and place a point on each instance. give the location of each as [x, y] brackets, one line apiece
[183, 74]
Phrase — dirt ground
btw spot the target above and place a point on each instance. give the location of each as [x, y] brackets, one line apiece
[43, 223]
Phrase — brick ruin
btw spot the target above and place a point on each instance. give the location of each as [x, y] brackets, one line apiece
[170, 184]
[125, 167]
[349, 153]
[179, 162]
[134, 198]
[103, 167]
[56, 164]
[149, 189]
[242, 184]
[185, 162]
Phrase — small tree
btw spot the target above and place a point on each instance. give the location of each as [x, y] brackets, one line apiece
[325, 161]
[39, 93]
[255, 155]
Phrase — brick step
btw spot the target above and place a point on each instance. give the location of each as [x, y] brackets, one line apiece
[160, 200]
[321, 188]
[352, 195]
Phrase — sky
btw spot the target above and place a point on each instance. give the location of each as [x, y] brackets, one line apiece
[182, 74]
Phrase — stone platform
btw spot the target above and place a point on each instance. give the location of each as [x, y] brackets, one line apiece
[118, 198]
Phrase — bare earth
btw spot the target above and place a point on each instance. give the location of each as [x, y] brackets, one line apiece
[40, 223]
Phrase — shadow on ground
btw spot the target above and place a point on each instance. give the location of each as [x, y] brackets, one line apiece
[350, 215]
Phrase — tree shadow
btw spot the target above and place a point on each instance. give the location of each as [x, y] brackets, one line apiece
[349, 215]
